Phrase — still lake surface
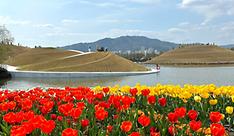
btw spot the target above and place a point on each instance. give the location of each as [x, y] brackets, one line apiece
[168, 75]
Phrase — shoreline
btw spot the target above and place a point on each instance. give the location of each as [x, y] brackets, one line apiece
[195, 64]
[18, 73]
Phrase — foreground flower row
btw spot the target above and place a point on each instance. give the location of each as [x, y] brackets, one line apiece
[134, 111]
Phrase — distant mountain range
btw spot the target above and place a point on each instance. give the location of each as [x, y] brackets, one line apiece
[228, 46]
[124, 43]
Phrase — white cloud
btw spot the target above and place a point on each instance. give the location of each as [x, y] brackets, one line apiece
[135, 32]
[115, 18]
[109, 20]
[221, 33]
[210, 9]
[229, 26]
[74, 37]
[44, 25]
[176, 30]
[117, 2]
[226, 32]
[70, 21]
[183, 24]
[63, 34]
[110, 33]
[145, 1]
[6, 20]
[110, 4]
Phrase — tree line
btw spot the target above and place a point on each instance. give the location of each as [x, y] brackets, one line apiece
[5, 36]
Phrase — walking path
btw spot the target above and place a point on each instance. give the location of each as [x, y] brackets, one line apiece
[72, 56]
[87, 63]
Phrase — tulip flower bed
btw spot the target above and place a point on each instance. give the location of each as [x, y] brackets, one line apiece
[160, 110]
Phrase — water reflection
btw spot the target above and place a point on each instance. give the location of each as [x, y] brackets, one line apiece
[23, 83]
[4, 81]
[168, 75]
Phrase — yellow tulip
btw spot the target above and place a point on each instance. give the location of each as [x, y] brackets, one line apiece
[223, 116]
[217, 92]
[205, 95]
[229, 109]
[98, 89]
[197, 98]
[140, 112]
[207, 131]
[186, 95]
[184, 100]
[233, 98]
[213, 102]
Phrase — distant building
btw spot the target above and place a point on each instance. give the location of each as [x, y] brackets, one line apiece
[156, 52]
[128, 51]
[145, 52]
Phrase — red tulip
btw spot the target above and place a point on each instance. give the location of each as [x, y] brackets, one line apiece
[70, 132]
[99, 96]
[144, 120]
[115, 116]
[47, 107]
[155, 134]
[192, 114]
[48, 126]
[145, 92]
[29, 128]
[151, 99]
[172, 117]
[180, 112]
[101, 114]
[134, 134]
[172, 130]
[126, 126]
[59, 118]
[126, 100]
[28, 115]
[133, 91]
[215, 117]
[153, 129]
[84, 122]
[75, 113]
[11, 105]
[19, 116]
[9, 117]
[106, 89]
[4, 107]
[53, 116]
[65, 108]
[26, 104]
[162, 102]
[195, 125]
[217, 130]
[109, 128]
[18, 131]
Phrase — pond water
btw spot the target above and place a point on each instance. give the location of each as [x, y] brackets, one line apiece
[168, 75]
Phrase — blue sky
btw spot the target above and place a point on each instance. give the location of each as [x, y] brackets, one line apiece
[64, 22]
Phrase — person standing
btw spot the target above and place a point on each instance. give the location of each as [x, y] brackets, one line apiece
[157, 67]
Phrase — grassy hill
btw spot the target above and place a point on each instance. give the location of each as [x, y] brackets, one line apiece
[94, 62]
[7, 51]
[195, 55]
[37, 55]
[51, 59]
[125, 43]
